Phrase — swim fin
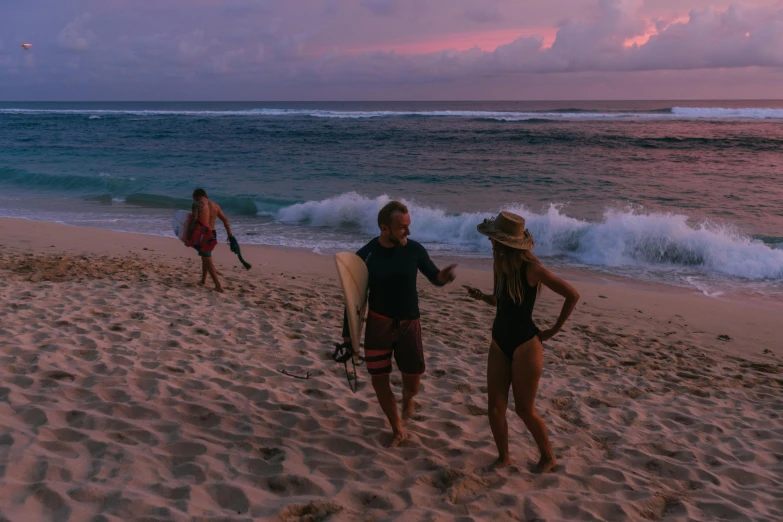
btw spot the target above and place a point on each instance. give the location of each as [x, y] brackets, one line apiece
[234, 245]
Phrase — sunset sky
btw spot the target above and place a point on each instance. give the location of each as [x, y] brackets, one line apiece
[390, 49]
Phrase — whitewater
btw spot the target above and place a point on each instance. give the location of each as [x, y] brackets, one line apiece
[623, 238]
[667, 113]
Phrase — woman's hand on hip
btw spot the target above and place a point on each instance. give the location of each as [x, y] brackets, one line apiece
[545, 335]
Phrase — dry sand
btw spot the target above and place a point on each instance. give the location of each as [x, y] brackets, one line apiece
[128, 392]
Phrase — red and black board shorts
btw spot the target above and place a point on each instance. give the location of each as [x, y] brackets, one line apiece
[204, 240]
[385, 337]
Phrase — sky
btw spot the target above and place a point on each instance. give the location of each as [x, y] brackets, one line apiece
[97, 50]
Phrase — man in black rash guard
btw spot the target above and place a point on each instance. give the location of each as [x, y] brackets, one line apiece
[393, 328]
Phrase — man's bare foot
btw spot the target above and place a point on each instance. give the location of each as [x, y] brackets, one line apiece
[202, 283]
[400, 436]
[545, 465]
[219, 289]
[408, 407]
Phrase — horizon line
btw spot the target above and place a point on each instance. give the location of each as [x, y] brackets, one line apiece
[412, 101]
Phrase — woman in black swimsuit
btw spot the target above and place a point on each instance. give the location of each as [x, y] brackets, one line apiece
[516, 354]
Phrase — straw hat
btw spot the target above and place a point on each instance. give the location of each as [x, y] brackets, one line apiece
[508, 229]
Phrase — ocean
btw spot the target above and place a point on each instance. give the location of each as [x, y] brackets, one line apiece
[688, 194]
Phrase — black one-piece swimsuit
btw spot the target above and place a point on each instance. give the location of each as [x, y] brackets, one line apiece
[514, 324]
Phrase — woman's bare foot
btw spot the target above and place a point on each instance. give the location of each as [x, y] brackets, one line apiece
[219, 289]
[502, 462]
[545, 465]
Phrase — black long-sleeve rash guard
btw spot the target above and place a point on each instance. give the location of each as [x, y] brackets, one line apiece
[392, 278]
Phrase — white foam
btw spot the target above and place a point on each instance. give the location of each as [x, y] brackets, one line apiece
[624, 238]
[675, 113]
[345, 210]
[723, 113]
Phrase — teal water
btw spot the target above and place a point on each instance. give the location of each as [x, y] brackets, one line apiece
[687, 193]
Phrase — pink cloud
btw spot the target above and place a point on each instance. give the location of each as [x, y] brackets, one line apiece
[258, 46]
[616, 39]
[484, 40]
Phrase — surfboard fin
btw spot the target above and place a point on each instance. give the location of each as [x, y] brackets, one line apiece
[343, 352]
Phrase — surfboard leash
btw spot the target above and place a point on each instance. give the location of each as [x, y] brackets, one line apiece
[343, 352]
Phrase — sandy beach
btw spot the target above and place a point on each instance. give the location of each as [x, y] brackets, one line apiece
[129, 392]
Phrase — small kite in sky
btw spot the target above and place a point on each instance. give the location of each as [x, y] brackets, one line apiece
[26, 46]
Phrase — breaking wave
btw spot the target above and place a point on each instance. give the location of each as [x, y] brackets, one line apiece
[557, 114]
[623, 238]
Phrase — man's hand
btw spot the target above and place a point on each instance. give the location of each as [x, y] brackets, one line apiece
[447, 275]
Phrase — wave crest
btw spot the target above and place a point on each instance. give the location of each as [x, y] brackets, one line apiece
[624, 238]
[536, 116]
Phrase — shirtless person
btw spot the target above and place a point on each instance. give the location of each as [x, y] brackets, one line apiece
[204, 214]
[393, 328]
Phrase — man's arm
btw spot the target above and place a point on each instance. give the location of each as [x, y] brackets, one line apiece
[224, 219]
[436, 276]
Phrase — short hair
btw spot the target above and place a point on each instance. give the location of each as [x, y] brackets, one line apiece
[385, 215]
[199, 193]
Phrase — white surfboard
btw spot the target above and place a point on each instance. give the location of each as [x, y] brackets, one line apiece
[180, 224]
[354, 279]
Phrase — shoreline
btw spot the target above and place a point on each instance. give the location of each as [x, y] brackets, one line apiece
[595, 275]
[663, 302]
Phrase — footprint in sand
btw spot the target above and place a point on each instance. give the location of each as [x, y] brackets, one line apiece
[293, 485]
[230, 497]
[315, 510]
[58, 375]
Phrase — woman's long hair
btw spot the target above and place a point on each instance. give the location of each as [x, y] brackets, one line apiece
[508, 264]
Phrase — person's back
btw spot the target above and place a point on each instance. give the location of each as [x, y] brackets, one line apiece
[213, 209]
[513, 324]
[206, 213]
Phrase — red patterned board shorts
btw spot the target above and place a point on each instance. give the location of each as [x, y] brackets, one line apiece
[385, 337]
[203, 239]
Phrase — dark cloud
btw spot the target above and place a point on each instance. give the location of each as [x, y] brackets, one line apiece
[77, 35]
[484, 13]
[255, 48]
[245, 7]
[380, 7]
[738, 37]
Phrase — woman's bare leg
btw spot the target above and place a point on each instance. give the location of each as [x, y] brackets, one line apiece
[526, 369]
[498, 383]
